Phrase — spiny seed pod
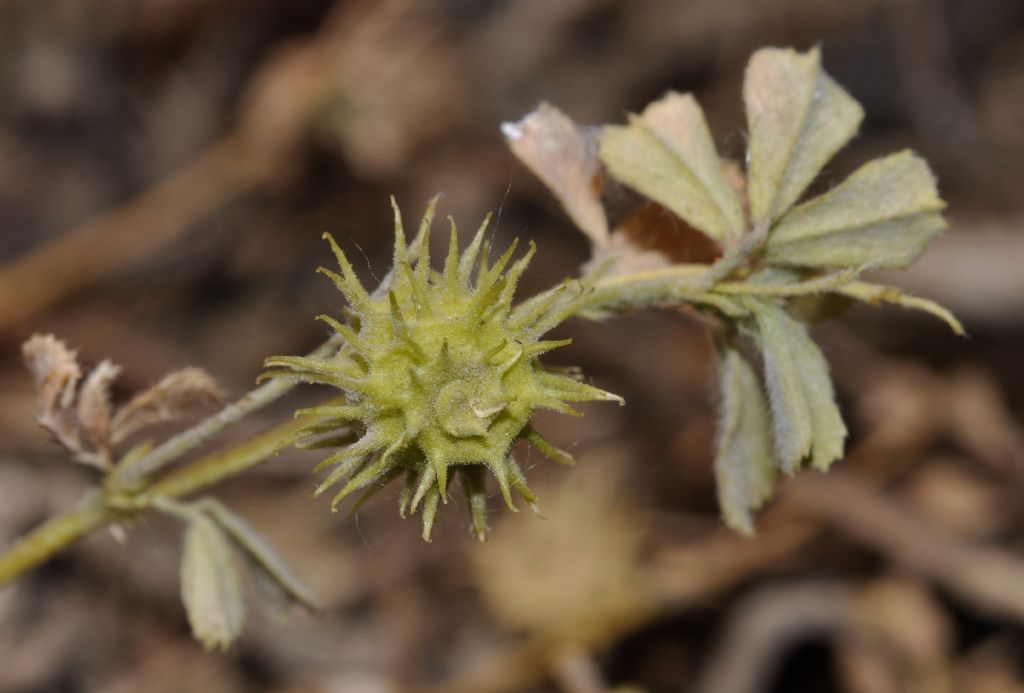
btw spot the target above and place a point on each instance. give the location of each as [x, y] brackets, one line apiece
[441, 376]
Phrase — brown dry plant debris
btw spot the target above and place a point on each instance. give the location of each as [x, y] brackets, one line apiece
[84, 420]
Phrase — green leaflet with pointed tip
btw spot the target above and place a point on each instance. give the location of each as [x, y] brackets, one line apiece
[667, 154]
[797, 118]
[262, 557]
[211, 587]
[805, 419]
[883, 215]
[745, 465]
[877, 294]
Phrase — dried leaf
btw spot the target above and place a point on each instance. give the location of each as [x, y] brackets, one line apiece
[798, 118]
[883, 215]
[805, 418]
[555, 149]
[651, 237]
[94, 406]
[262, 557]
[55, 369]
[667, 154]
[745, 465]
[211, 587]
[176, 395]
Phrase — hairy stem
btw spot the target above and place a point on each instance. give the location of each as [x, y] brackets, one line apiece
[97, 508]
[127, 490]
[91, 512]
[173, 449]
[238, 458]
[675, 284]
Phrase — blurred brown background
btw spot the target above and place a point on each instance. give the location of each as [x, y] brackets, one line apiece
[166, 170]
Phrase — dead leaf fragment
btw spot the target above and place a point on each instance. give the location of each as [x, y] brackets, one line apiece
[55, 369]
[56, 373]
[94, 409]
[652, 237]
[83, 420]
[177, 394]
[556, 151]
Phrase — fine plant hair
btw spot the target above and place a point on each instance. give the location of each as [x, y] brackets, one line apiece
[436, 372]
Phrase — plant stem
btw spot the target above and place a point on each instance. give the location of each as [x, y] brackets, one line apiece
[128, 490]
[96, 509]
[174, 448]
[121, 493]
[88, 514]
[186, 441]
[219, 465]
[621, 291]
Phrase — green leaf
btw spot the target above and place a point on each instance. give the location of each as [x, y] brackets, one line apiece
[745, 465]
[797, 118]
[211, 587]
[274, 572]
[883, 215]
[667, 154]
[805, 418]
[877, 294]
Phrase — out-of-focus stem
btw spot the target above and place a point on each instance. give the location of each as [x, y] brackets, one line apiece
[126, 490]
[97, 508]
[129, 232]
[88, 514]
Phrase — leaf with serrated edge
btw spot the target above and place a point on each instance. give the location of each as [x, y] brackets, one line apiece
[745, 466]
[94, 405]
[555, 149]
[667, 154]
[56, 372]
[797, 118]
[883, 215]
[261, 556]
[211, 587]
[176, 395]
[805, 418]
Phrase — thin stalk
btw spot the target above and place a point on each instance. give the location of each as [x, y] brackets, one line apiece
[129, 476]
[91, 512]
[122, 493]
[622, 291]
[238, 458]
[176, 447]
[96, 509]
